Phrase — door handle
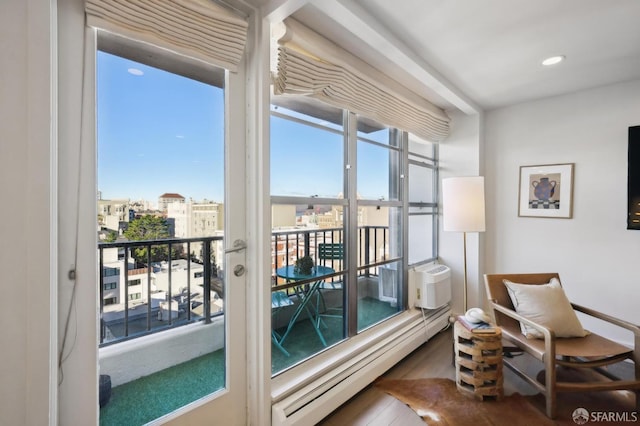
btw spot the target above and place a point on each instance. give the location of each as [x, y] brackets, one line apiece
[237, 246]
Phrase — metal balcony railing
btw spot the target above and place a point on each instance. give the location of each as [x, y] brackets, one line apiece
[288, 246]
[162, 284]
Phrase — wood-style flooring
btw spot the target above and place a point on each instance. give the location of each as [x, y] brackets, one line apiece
[433, 359]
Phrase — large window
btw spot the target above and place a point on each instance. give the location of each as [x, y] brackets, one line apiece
[423, 197]
[339, 198]
[309, 154]
[379, 222]
[308, 202]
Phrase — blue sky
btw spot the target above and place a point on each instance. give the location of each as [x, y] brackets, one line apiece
[159, 132]
[313, 162]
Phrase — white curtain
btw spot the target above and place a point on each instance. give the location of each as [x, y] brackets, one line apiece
[198, 29]
[310, 65]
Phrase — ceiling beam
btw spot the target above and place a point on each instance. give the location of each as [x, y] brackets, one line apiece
[277, 10]
[364, 26]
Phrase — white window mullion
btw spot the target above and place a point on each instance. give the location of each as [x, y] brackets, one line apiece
[351, 221]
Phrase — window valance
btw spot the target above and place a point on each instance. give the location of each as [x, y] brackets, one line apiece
[198, 29]
[310, 65]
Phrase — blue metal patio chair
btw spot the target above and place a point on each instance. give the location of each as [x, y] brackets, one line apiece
[279, 300]
[332, 252]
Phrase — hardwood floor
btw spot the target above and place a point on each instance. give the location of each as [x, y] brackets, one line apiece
[433, 359]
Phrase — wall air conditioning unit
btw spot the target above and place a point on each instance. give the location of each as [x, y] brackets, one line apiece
[430, 286]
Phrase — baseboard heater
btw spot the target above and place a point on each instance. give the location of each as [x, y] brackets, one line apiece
[318, 398]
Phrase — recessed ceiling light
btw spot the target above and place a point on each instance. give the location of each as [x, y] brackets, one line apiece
[553, 60]
[135, 71]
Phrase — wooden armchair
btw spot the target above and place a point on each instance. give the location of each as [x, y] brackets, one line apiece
[592, 351]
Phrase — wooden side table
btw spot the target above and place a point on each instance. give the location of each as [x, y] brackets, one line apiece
[478, 359]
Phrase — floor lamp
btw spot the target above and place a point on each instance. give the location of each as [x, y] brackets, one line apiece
[463, 211]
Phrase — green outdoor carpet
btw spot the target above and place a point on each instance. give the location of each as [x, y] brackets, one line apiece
[303, 340]
[140, 401]
[143, 400]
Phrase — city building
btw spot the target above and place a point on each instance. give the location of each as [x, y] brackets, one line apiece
[180, 283]
[167, 198]
[114, 214]
[196, 219]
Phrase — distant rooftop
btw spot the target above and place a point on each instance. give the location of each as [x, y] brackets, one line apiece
[171, 195]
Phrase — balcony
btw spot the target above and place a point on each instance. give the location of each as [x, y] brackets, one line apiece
[164, 328]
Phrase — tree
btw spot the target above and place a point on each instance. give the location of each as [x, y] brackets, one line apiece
[146, 228]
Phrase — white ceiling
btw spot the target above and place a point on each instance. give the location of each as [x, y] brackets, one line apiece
[472, 54]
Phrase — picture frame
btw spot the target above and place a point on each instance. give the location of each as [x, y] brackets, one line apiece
[546, 191]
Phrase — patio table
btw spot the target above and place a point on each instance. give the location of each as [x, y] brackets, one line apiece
[305, 293]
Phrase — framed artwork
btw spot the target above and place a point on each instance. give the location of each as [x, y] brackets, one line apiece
[633, 179]
[546, 191]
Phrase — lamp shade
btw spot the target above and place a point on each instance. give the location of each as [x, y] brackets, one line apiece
[463, 204]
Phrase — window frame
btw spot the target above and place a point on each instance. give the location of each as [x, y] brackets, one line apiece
[135, 296]
[350, 203]
[430, 162]
[110, 286]
[110, 301]
[134, 282]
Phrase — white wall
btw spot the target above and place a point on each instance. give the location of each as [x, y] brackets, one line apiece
[593, 252]
[77, 210]
[27, 388]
